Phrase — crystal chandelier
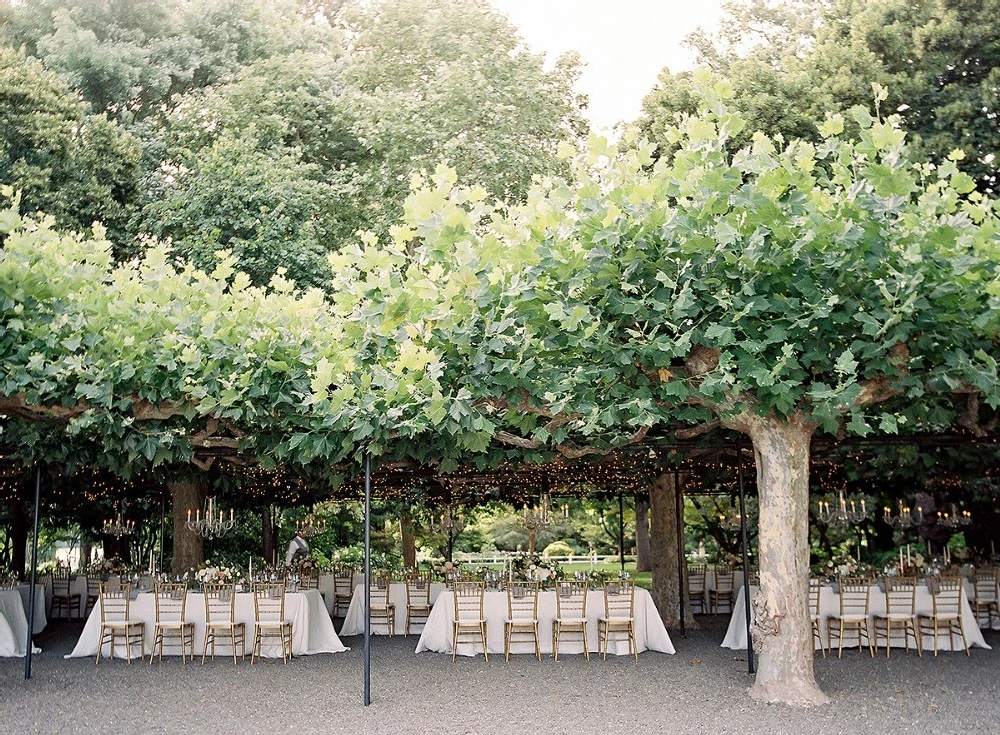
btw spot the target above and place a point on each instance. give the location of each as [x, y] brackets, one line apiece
[954, 519]
[310, 527]
[538, 516]
[905, 517]
[844, 513]
[212, 522]
[118, 526]
[448, 523]
[732, 520]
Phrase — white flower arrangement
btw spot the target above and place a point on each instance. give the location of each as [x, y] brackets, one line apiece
[217, 574]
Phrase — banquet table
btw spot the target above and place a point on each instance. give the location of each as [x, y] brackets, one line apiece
[829, 602]
[354, 621]
[650, 633]
[13, 624]
[312, 629]
[40, 621]
[326, 586]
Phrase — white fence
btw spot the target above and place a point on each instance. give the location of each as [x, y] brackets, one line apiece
[499, 558]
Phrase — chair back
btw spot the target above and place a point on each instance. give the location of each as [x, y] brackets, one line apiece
[93, 586]
[522, 601]
[696, 578]
[724, 579]
[418, 591]
[220, 603]
[815, 591]
[171, 601]
[378, 592]
[855, 593]
[343, 581]
[900, 595]
[61, 583]
[309, 580]
[269, 602]
[947, 595]
[619, 599]
[754, 576]
[115, 602]
[571, 598]
[984, 585]
[468, 600]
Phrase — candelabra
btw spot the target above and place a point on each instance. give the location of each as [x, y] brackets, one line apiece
[844, 514]
[449, 523]
[731, 520]
[311, 526]
[118, 526]
[954, 519]
[905, 518]
[212, 522]
[538, 517]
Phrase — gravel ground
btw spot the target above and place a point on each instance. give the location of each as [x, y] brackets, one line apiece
[701, 689]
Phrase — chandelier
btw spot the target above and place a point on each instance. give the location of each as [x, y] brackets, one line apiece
[448, 523]
[118, 526]
[954, 519]
[732, 519]
[844, 513]
[538, 516]
[310, 527]
[212, 522]
[905, 517]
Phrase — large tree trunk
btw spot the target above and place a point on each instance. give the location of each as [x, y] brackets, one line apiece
[189, 548]
[664, 530]
[18, 531]
[408, 541]
[643, 561]
[782, 632]
[269, 536]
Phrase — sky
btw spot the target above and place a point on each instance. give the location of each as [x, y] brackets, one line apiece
[625, 44]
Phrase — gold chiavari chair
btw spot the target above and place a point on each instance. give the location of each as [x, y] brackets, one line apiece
[220, 620]
[269, 619]
[571, 613]
[723, 593]
[418, 600]
[469, 617]
[985, 600]
[171, 605]
[522, 615]
[115, 605]
[696, 588]
[900, 613]
[946, 597]
[343, 590]
[855, 596]
[815, 588]
[93, 594]
[619, 615]
[309, 580]
[382, 611]
[62, 596]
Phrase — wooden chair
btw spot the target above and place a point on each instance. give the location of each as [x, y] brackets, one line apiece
[900, 613]
[855, 597]
[946, 596]
[93, 594]
[171, 621]
[62, 596]
[382, 611]
[220, 620]
[696, 588]
[418, 600]
[984, 597]
[619, 616]
[522, 616]
[343, 590]
[115, 605]
[571, 613]
[723, 593]
[309, 580]
[269, 619]
[469, 617]
[815, 589]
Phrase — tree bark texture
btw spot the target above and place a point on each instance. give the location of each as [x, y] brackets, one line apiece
[18, 531]
[643, 563]
[782, 633]
[189, 548]
[664, 530]
[408, 541]
[268, 535]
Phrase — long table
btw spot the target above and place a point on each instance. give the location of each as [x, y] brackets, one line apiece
[829, 602]
[650, 633]
[13, 624]
[354, 621]
[40, 621]
[312, 629]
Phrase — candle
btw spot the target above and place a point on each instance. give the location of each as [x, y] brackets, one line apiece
[150, 562]
[993, 550]
[900, 559]
[230, 515]
[189, 515]
[250, 568]
[909, 561]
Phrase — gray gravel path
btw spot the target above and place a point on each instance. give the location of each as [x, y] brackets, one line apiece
[701, 689]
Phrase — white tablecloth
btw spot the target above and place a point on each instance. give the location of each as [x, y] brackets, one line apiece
[354, 621]
[326, 586]
[40, 597]
[312, 629]
[829, 602]
[13, 624]
[650, 634]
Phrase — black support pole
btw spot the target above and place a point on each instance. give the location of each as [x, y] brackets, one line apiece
[679, 509]
[34, 572]
[621, 531]
[751, 665]
[368, 571]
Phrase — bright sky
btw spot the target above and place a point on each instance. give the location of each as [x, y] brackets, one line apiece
[624, 43]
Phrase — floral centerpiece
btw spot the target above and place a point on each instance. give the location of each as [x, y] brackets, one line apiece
[446, 569]
[532, 567]
[217, 574]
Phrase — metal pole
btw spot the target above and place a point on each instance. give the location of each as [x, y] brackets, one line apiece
[368, 571]
[34, 571]
[621, 531]
[679, 508]
[751, 666]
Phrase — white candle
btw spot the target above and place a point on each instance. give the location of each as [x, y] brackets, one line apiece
[250, 565]
[901, 560]
[150, 562]
[909, 561]
[993, 549]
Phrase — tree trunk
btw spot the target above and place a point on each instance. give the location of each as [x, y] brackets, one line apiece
[268, 536]
[664, 530]
[408, 541]
[643, 562]
[782, 632]
[189, 548]
[18, 531]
